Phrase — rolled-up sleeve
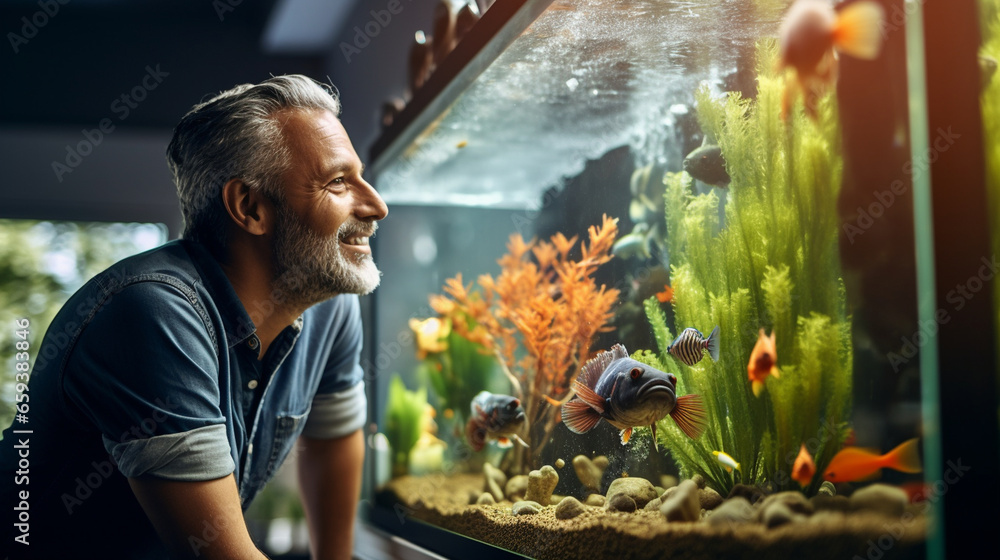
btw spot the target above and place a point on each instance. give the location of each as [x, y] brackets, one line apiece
[152, 388]
[340, 406]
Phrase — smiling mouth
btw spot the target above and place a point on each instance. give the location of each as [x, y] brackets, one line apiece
[357, 240]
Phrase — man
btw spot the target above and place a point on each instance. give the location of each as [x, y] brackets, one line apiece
[172, 386]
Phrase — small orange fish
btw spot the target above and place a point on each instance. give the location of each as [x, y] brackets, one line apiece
[812, 34]
[804, 467]
[763, 362]
[667, 295]
[855, 463]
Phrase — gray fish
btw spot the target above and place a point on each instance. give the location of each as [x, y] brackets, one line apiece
[629, 393]
[688, 347]
[495, 417]
[708, 166]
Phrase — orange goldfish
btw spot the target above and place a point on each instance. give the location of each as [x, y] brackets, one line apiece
[812, 34]
[855, 463]
[763, 362]
[804, 467]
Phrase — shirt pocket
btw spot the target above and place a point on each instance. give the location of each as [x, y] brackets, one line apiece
[286, 431]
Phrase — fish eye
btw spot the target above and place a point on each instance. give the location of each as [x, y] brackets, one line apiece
[672, 378]
[635, 373]
[513, 404]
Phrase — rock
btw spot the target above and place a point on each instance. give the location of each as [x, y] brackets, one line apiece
[734, 510]
[751, 493]
[527, 507]
[601, 462]
[595, 500]
[560, 463]
[589, 472]
[668, 481]
[882, 498]
[699, 480]
[822, 502]
[827, 518]
[485, 498]
[495, 481]
[621, 502]
[516, 487]
[541, 483]
[640, 490]
[777, 514]
[659, 490]
[709, 498]
[827, 489]
[555, 499]
[794, 501]
[682, 503]
[569, 508]
[653, 505]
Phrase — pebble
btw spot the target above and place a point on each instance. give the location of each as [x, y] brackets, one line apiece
[516, 487]
[751, 493]
[595, 500]
[827, 489]
[777, 514]
[590, 472]
[569, 508]
[495, 481]
[485, 499]
[709, 498]
[527, 507]
[682, 503]
[653, 505]
[881, 498]
[621, 502]
[734, 510]
[699, 480]
[791, 499]
[640, 490]
[560, 463]
[668, 481]
[541, 483]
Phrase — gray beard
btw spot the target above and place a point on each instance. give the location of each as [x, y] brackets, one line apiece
[312, 268]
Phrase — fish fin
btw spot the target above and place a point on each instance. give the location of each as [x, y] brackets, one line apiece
[652, 428]
[775, 372]
[579, 417]
[728, 469]
[476, 435]
[689, 414]
[758, 387]
[552, 401]
[858, 31]
[504, 443]
[589, 397]
[905, 457]
[592, 370]
[518, 439]
[713, 344]
[626, 435]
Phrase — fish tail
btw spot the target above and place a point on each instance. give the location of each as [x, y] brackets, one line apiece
[579, 417]
[689, 414]
[713, 344]
[905, 458]
[758, 387]
[858, 31]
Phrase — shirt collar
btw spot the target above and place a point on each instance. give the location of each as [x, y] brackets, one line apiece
[235, 318]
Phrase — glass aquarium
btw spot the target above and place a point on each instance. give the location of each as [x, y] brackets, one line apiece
[656, 284]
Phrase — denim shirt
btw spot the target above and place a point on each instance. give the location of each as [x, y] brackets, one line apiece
[153, 368]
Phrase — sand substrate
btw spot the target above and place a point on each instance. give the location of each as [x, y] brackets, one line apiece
[444, 501]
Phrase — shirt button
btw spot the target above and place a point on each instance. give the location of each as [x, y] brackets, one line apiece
[252, 343]
[252, 384]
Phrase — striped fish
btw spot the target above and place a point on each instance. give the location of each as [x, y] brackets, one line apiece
[689, 346]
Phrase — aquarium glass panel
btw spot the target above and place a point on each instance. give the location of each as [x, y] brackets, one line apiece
[634, 300]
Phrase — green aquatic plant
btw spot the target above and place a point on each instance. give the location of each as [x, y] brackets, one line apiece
[989, 55]
[403, 422]
[772, 263]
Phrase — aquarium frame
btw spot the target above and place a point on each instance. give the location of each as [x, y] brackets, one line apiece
[435, 539]
[500, 25]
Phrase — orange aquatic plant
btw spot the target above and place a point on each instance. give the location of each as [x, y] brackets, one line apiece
[538, 318]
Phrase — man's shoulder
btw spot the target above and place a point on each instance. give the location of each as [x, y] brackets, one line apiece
[170, 263]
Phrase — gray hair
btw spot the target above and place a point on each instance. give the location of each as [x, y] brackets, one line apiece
[236, 135]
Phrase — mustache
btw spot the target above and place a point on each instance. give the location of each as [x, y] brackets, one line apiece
[353, 228]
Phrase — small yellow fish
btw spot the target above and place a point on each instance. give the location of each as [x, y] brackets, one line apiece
[726, 461]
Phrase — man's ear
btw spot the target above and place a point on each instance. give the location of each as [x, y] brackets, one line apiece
[250, 209]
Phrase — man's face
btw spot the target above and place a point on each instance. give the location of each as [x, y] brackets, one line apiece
[327, 214]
